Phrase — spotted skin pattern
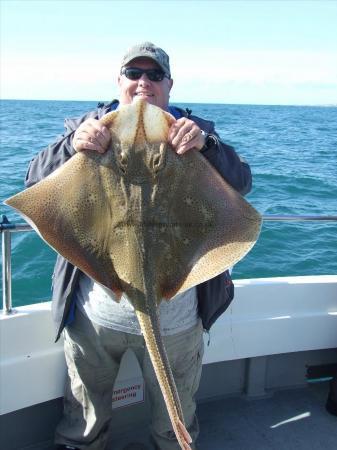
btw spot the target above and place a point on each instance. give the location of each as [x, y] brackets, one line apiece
[142, 220]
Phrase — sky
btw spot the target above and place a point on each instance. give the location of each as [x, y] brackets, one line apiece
[243, 51]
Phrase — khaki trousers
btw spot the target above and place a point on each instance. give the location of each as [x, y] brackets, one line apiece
[93, 354]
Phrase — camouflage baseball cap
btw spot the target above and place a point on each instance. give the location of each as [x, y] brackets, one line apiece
[148, 50]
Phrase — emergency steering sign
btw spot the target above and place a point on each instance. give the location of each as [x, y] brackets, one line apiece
[128, 391]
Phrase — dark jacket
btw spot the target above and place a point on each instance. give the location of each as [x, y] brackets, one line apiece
[214, 296]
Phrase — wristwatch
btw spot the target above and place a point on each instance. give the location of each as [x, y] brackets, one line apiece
[210, 140]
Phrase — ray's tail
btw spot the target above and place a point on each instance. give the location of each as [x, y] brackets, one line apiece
[149, 323]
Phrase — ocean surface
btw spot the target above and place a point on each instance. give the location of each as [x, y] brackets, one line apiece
[292, 151]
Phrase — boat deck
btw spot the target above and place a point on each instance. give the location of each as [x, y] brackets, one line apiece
[292, 419]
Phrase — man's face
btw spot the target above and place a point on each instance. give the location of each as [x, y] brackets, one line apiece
[154, 92]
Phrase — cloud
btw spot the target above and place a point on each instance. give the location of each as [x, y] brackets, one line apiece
[254, 67]
[205, 75]
[57, 77]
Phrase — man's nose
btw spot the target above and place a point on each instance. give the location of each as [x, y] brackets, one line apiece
[143, 80]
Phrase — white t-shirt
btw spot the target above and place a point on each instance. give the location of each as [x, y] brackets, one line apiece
[99, 305]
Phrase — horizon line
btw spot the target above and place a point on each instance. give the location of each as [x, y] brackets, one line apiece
[325, 105]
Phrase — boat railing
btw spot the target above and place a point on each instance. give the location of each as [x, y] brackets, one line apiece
[7, 228]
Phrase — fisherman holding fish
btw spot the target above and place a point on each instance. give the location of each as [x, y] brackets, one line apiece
[98, 330]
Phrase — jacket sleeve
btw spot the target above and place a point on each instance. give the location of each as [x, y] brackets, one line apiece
[234, 169]
[56, 154]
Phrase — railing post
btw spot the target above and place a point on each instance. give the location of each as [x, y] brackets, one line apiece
[6, 229]
[6, 272]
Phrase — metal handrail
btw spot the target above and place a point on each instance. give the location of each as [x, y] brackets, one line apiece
[6, 228]
[299, 218]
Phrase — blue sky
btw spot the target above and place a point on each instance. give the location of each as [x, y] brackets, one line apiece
[245, 51]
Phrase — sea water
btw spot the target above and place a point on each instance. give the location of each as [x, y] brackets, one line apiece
[292, 151]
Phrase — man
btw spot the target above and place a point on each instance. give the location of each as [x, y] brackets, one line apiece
[97, 330]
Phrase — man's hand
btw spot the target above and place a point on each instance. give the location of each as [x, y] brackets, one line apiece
[91, 135]
[184, 135]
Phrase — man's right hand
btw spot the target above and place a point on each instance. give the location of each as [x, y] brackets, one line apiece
[91, 135]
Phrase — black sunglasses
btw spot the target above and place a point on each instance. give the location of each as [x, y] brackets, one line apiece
[134, 73]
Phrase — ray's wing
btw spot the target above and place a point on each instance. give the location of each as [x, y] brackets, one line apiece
[210, 227]
[71, 209]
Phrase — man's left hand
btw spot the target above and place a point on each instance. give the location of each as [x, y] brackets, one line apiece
[184, 135]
